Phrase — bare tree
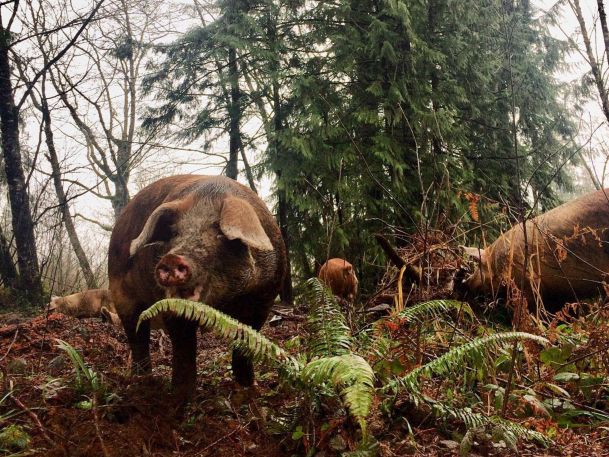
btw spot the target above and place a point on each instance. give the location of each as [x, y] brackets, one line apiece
[103, 99]
[23, 226]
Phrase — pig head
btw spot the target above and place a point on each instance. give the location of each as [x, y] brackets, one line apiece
[82, 304]
[567, 255]
[339, 276]
[201, 238]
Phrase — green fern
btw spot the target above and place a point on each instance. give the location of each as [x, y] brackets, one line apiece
[244, 337]
[351, 376]
[434, 309]
[329, 333]
[510, 430]
[458, 356]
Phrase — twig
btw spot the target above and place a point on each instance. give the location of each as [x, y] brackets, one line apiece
[34, 419]
[288, 316]
[206, 448]
[10, 346]
[96, 422]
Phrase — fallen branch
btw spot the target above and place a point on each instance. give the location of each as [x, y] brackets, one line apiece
[34, 419]
[412, 273]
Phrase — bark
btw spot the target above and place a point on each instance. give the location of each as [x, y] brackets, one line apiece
[8, 272]
[603, 17]
[248, 170]
[21, 216]
[234, 113]
[287, 293]
[61, 196]
[596, 71]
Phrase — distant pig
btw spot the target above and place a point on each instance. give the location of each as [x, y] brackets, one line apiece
[339, 276]
[202, 238]
[568, 255]
[82, 304]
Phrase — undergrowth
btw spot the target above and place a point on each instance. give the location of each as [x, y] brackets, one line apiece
[334, 364]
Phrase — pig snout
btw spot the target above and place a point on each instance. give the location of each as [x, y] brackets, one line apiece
[173, 270]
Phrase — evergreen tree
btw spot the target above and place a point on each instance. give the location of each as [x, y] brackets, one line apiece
[375, 113]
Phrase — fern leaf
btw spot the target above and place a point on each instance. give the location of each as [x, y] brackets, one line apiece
[241, 335]
[351, 376]
[330, 335]
[434, 309]
[456, 357]
[473, 420]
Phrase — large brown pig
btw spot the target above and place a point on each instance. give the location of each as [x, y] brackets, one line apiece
[568, 254]
[203, 238]
[82, 304]
[339, 276]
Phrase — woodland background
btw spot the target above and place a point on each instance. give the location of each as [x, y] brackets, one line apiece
[434, 123]
[349, 117]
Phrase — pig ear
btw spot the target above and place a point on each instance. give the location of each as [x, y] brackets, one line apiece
[474, 253]
[158, 225]
[238, 220]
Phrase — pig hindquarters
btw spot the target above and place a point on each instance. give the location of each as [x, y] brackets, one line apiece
[339, 276]
[568, 255]
[202, 238]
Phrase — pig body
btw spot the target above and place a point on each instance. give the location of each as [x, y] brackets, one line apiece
[339, 276]
[203, 238]
[568, 255]
[83, 304]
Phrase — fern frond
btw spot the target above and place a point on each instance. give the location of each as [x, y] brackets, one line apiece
[472, 420]
[434, 309]
[351, 376]
[456, 357]
[330, 335]
[244, 337]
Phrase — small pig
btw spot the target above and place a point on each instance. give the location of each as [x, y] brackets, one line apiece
[83, 304]
[339, 276]
[568, 255]
[202, 238]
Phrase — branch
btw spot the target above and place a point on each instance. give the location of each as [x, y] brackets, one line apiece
[61, 53]
[413, 273]
[107, 228]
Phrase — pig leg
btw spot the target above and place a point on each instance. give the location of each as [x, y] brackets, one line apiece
[243, 368]
[183, 335]
[139, 342]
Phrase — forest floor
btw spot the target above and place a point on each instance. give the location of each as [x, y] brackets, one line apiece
[136, 416]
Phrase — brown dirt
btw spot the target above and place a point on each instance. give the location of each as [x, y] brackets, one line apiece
[140, 419]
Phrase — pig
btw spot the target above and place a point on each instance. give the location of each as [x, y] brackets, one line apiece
[109, 315]
[568, 255]
[202, 238]
[339, 276]
[83, 304]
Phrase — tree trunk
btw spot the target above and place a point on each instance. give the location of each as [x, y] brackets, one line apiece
[23, 226]
[287, 293]
[234, 113]
[596, 71]
[8, 272]
[121, 191]
[603, 17]
[61, 196]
